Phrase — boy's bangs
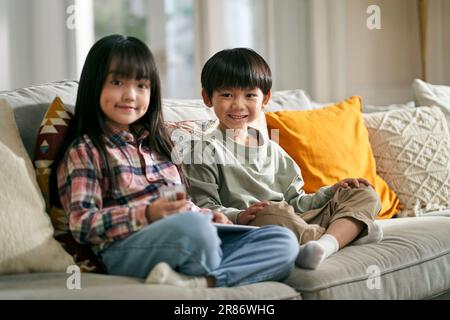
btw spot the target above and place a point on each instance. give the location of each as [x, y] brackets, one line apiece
[131, 64]
[243, 74]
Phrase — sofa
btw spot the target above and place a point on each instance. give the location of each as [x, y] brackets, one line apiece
[411, 262]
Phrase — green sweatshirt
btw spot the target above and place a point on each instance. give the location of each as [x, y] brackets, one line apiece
[229, 177]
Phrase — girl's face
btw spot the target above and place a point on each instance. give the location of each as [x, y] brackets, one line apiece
[124, 100]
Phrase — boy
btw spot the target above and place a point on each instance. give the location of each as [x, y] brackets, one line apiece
[252, 180]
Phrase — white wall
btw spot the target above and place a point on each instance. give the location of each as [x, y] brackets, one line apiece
[325, 48]
[438, 53]
[381, 64]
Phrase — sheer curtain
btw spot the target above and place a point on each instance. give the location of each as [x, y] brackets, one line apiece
[222, 24]
[37, 45]
[327, 49]
[438, 42]
[333, 54]
[321, 46]
[4, 52]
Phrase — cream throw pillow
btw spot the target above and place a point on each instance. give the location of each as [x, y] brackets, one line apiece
[26, 234]
[412, 153]
[427, 94]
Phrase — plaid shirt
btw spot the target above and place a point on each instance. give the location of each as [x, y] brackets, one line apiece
[97, 214]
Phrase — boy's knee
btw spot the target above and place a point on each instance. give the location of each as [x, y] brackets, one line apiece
[363, 194]
[368, 198]
[372, 196]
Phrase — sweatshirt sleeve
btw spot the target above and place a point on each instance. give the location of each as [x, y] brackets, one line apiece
[294, 194]
[204, 180]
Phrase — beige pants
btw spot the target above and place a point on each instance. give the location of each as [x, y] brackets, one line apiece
[362, 204]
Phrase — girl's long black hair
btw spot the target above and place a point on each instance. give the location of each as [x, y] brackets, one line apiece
[132, 58]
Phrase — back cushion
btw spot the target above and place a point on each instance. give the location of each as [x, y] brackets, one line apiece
[26, 243]
[30, 104]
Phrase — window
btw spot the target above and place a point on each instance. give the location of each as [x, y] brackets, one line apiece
[120, 16]
[180, 70]
[166, 26]
[182, 34]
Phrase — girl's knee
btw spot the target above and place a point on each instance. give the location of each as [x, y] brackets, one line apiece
[194, 227]
[283, 242]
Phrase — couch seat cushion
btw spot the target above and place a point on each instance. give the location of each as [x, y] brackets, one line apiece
[413, 261]
[96, 286]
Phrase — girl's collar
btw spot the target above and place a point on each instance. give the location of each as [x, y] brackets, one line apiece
[137, 132]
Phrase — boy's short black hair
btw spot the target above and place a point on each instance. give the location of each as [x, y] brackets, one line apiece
[236, 68]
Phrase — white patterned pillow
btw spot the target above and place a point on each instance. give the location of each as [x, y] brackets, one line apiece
[412, 153]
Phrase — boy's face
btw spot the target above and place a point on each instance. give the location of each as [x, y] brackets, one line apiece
[236, 108]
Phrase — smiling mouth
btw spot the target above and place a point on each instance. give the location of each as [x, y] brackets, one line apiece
[126, 107]
[237, 117]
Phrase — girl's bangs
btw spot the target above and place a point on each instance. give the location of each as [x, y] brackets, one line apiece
[130, 63]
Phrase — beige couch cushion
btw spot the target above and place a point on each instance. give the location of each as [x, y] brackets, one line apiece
[30, 104]
[413, 261]
[26, 234]
[95, 286]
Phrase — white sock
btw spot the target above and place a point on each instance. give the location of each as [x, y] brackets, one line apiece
[313, 253]
[162, 273]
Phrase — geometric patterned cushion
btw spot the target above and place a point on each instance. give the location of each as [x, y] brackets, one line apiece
[51, 134]
[412, 153]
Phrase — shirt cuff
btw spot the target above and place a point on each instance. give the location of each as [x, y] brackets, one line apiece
[232, 215]
[140, 216]
[327, 191]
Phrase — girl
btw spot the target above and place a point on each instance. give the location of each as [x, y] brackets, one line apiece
[108, 176]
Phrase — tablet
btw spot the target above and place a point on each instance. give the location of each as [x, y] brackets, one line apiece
[221, 227]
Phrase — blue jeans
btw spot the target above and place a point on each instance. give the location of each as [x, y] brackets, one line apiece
[190, 244]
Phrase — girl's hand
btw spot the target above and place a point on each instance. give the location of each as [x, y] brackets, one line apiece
[219, 217]
[352, 183]
[161, 208]
[244, 217]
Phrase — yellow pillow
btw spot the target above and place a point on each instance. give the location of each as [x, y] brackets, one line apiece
[331, 144]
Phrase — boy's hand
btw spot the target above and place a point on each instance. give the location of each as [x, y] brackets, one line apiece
[352, 183]
[244, 217]
[161, 208]
[219, 217]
